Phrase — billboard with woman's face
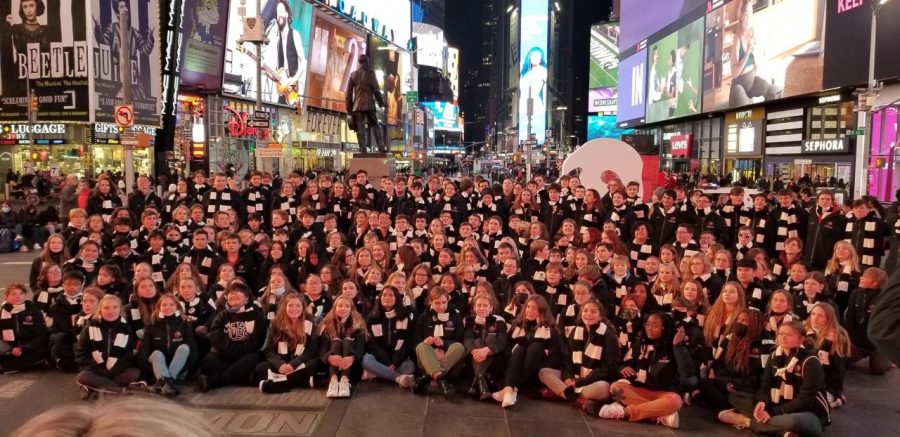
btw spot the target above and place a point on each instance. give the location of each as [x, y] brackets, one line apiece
[533, 68]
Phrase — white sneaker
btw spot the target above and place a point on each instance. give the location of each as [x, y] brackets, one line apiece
[405, 381]
[670, 421]
[37, 246]
[498, 395]
[344, 389]
[509, 399]
[332, 390]
[614, 410]
[733, 418]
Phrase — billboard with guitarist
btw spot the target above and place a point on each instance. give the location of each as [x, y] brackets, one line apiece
[284, 58]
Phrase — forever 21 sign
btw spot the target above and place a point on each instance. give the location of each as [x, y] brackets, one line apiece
[818, 147]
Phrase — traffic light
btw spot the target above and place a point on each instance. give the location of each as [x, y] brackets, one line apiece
[198, 151]
[33, 104]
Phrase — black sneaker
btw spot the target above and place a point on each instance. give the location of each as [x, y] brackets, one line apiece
[202, 384]
[446, 388]
[169, 389]
[420, 385]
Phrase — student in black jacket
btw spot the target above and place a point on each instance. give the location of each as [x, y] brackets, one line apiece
[390, 328]
[736, 364]
[831, 342]
[791, 396]
[64, 313]
[237, 334]
[292, 348]
[342, 335]
[23, 344]
[825, 226]
[485, 338]
[168, 349]
[653, 371]
[438, 339]
[589, 361]
[54, 253]
[105, 351]
[535, 343]
[863, 302]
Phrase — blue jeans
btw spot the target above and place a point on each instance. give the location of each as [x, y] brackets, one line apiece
[407, 367]
[171, 370]
[804, 423]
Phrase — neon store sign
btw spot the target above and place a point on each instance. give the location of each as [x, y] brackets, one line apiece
[237, 125]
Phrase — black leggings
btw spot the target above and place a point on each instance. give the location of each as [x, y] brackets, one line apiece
[27, 360]
[62, 350]
[524, 363]
[223, 371]
[342, 348]
[714, 393]
[484, 366]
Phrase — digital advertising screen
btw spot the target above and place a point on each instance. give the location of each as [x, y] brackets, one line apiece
[388, 18]
[603, 100]
[204, 25]
[385, 61]
[286, 24]
[749, 58]
[603, 73]
[673, 74]
[533, 94]
[446, 115]
[643, 18]
[847, 29]
[633, 87]
[432, 47]
[604, 126]
[333, 57]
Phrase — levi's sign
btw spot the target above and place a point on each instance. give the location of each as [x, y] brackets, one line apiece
[837, 145]
[681, 145]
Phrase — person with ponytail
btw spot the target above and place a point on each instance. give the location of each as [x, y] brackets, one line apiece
[342, 343]
[485, 337]
[736, 364]
[589, 361]
[291, 349]
[791, 396]
[387, 351]
[168, 349]
[825, 335]
[105, 352]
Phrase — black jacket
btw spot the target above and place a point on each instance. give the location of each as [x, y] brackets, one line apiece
[591, 354]
[166, 335]
[279, 353]
[234, 335]
[391, 338]
[27, 327]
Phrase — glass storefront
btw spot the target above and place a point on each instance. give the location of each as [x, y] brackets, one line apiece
[705, 153]
[109, 157]
[884, 173]
[59, 159]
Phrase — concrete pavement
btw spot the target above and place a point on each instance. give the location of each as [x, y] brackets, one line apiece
[382, 409]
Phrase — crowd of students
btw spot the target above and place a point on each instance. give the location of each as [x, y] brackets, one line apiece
[625, 309]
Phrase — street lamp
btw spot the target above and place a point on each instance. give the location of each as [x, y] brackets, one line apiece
[866, 106]
[562, 125]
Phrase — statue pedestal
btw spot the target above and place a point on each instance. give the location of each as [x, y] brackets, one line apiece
[376, 166]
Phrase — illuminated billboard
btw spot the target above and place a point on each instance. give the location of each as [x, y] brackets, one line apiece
[284, 59]
[748, 59]
[674, 73]
[446, 115]
[533, 68]
[604, 126]
[333, 57]
[432, 46]
[604, 68]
